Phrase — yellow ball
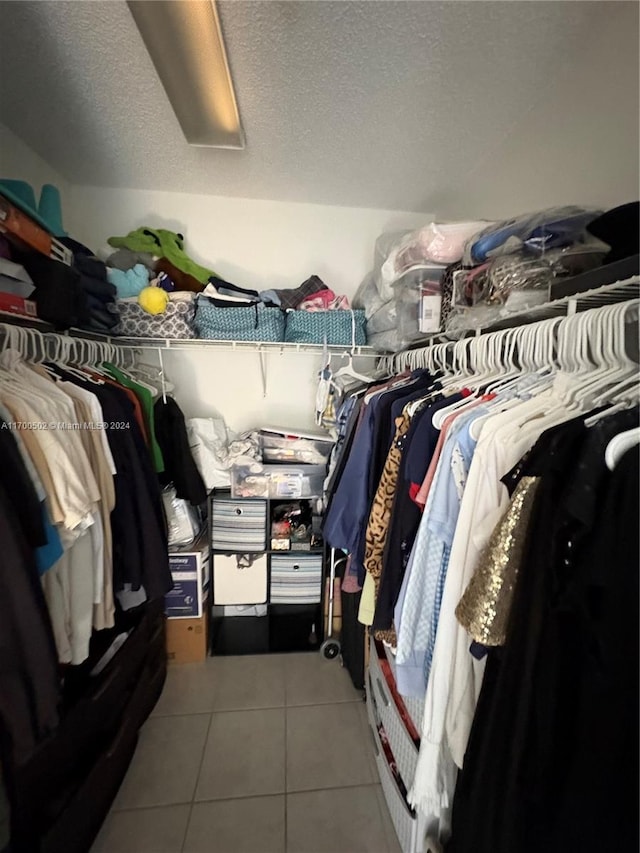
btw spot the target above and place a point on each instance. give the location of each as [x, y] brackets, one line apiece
[153, 299]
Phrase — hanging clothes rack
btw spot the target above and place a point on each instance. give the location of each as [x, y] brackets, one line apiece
[468, 352]
[42, 346]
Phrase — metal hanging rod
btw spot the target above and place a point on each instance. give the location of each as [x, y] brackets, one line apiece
[607, 294]
[542, 328]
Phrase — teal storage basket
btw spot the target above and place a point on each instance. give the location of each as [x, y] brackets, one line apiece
[248, 323]
[339, 328]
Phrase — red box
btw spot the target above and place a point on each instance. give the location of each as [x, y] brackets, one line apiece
[17, 305]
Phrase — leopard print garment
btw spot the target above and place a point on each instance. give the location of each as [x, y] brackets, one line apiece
[380, 514]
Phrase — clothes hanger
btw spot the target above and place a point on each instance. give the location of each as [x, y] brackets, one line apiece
[349, 370]
[627, 374]
[604, 334]
[619, 445]
[526, 336]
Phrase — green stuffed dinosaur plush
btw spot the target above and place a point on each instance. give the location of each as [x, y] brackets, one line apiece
[164, 244]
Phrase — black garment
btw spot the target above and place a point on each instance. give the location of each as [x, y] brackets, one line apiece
[29, 687]
[488, 808]
[148, 523]
[518, 792]
[179, 467]
[602, 761]
[620, 228]
[16, 481]
[58, 293]
[90, 266]
[405, 514]
[383, 425]
[352, 638]
[138, 524]
[103, 291]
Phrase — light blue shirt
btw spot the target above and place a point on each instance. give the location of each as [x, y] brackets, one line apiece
[418, 606]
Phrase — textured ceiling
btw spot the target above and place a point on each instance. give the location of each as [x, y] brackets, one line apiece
[372, 104]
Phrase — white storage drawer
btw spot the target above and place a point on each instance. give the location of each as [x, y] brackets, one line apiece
[409, 827]
[296, 578]
[239, 579]
[414, 706]
[238, 525]
[402, 744]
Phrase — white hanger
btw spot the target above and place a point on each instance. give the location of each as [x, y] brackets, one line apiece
[349, 370]
[619, 445]
[603, 344]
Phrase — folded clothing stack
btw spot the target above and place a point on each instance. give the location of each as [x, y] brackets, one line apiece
[100, 294]
[16, 285]
[59, 296]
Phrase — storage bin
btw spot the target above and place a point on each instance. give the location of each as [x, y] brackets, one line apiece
[410, 826]
[177, 320]
[239, 635]
[248, 323]
[239, 579]
[297, 449]
[249, 481]
[402, 745]
[418, 302]
[295, 578]
[278, 482]
[238, 525]
[294, 628]
[338, 328]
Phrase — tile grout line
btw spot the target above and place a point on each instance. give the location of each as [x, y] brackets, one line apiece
[261, 796]
[195, 787]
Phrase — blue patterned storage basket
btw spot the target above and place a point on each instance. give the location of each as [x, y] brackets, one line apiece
[249, 323]
[340, 327]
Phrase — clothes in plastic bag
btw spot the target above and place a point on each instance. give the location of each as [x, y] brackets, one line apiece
[384, 245]
[368, 298]
[538, 232]
[384, 319]
[389, 341]
[216, 449]
[435, 243]
[183, 521]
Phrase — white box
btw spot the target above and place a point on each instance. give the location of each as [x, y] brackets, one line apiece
[190, 570]
[234, 582]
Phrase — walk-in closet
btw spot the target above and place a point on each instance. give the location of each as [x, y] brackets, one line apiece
[319, 426]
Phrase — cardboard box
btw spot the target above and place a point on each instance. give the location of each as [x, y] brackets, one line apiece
[188, 639]
[190, 570]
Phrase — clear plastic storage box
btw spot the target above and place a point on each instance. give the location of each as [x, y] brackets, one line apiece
[278, 482]
[283, 448]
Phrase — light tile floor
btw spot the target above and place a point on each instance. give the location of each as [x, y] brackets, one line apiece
[258, 754]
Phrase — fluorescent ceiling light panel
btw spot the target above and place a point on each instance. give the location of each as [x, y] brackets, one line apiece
[184, 40]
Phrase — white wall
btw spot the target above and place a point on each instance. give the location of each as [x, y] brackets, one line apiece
[20, 162]
[209, 383]
[257, 244]
[253, 243]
